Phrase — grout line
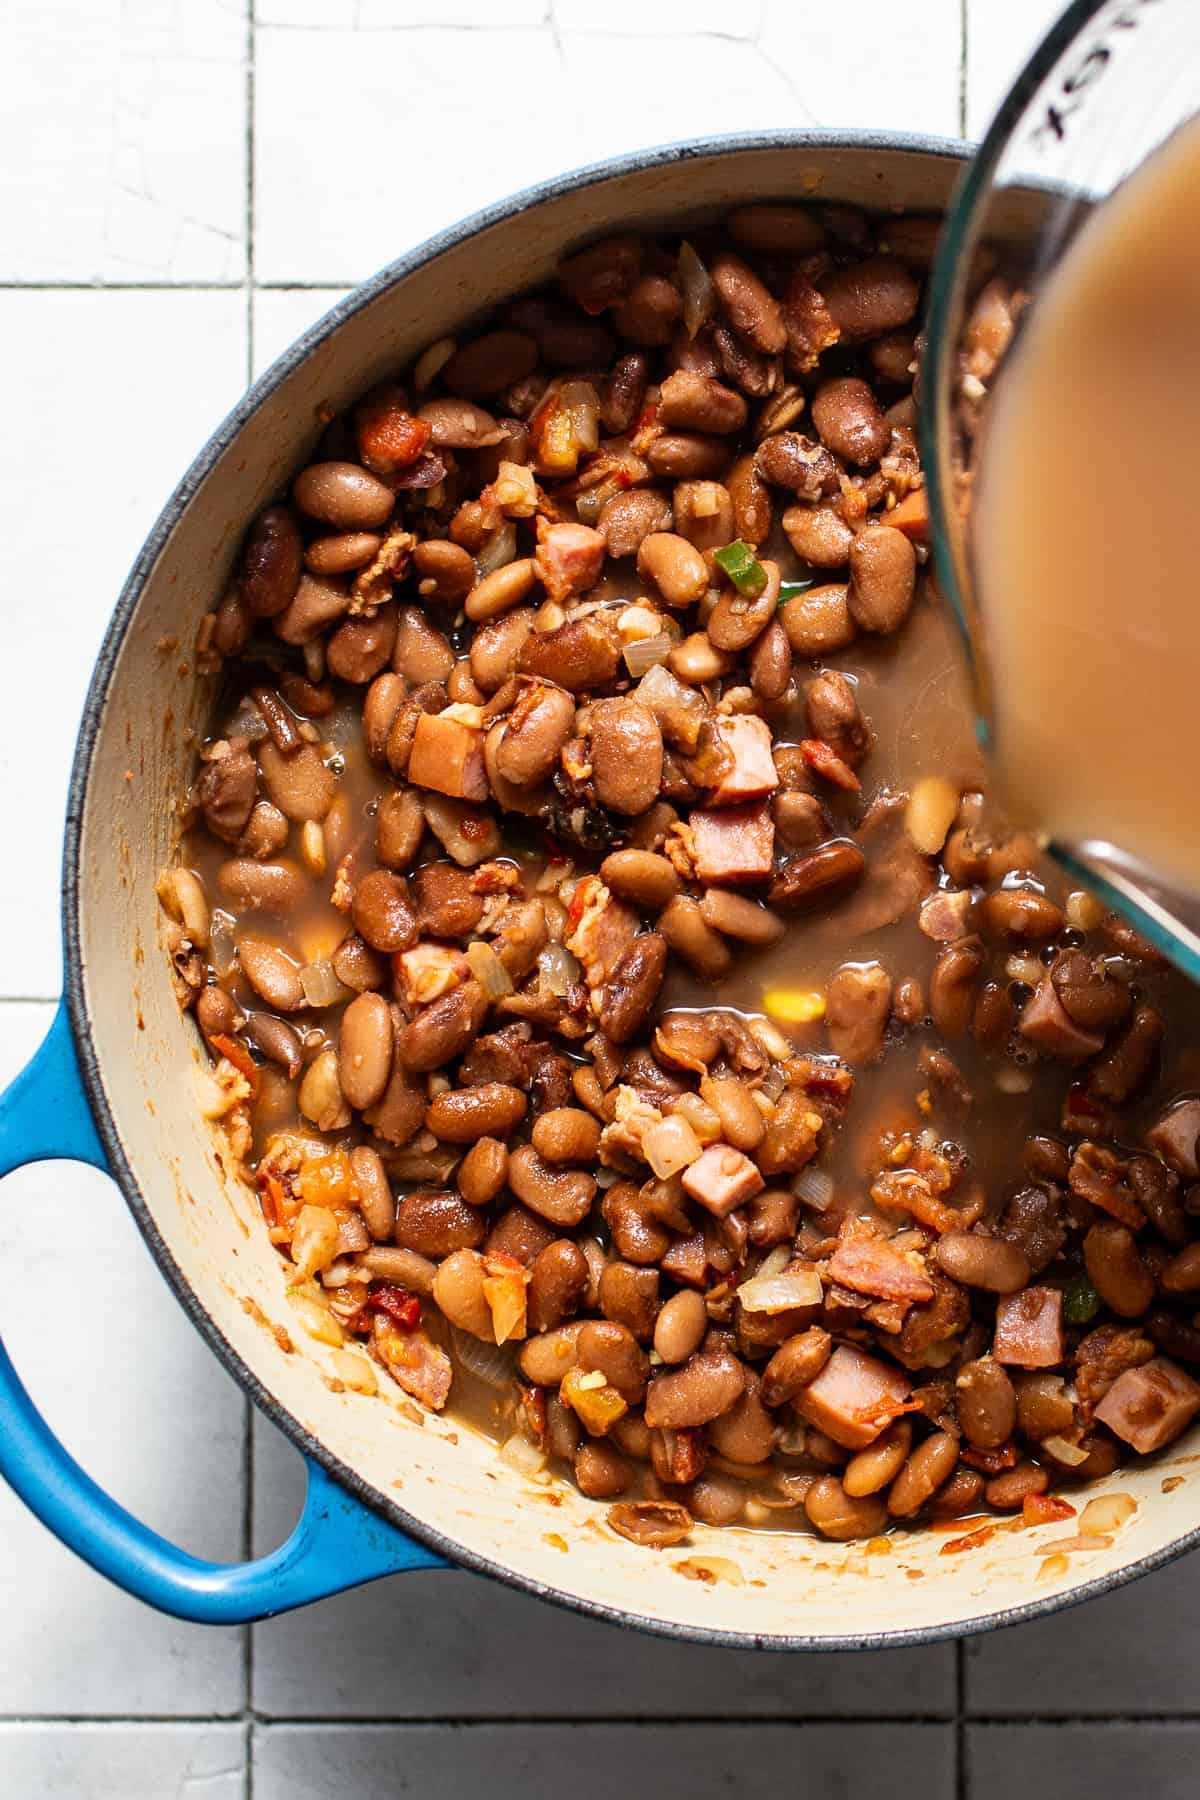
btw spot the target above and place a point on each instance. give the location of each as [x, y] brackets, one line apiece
[251, 34]
[248, 1757]
[320, 1721]
[963, 14]
[121, 287]
[960, 1730]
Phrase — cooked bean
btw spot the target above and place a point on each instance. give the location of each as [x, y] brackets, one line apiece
[818, 621]
[443, 1029]
[693, 402]
[270, 565]
[617, 1355]
[317, 602]
[632, 988]
[628, 519]
[274, 887]
[299, 785]
[1007, 1492]
[563, 1196]
[626, 753]
[697, 660]
[799, 821]
[458, 1290]
[436, 1222]
[601, 1472]
[735, 622]
[849, 421]
[388, 1262]
[217, 1013]
[746, 1433]
[961, 1494]
[399, 828]
[558, 1281]
[566, 1134]
[736, 917]
[641, 876]
[546, 1358]
[1126, 1065]
[837, 1515]
[382, 913]
[421, 653]
[445, 571]
[717, 1499]
[499, 593]
[623, 393]
[923, 1473]
[534, 734]
[986, 1403]
[376, 1201]
[483, 368]
[1020, 913]
[483, 1171]
[883, 575]
[381, 704]
[683, 926]
[687, 456]
[874, 1468]
[1116, 1269]
[750, 307]
[357, 966]
[680, 1326]
[771, 663]
[341, 553]
[806, 882]
[277, 1040]
[751, 501]
[459, 425]
[798, 1360]
[628, 1296]
[703, 1388]
[360, 648]
[674, 567]
[869, 297]
[952, 985]
[320, 1097]
[857, 1004]
[271, 973]
[490, 1109]
[983, 1262]
[742, 1124]
[649, 312]
[1182, 1274]
[818, 535]
[343, 495]
[580, 655]
[365, 1050]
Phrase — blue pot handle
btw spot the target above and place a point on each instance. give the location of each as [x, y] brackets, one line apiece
[338, 1542]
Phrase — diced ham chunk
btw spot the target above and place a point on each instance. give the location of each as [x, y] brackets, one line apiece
[687, 1261]
[735, 845]
[1046, 1023]
[602, 929]
[873, 1266]
[447, 756]
[419, 1366]
[721, 1179]
[568, 559]
[1174, 1135]
[1029, 1329]
[1150, 1406]
[748, 768]
[854, 1398]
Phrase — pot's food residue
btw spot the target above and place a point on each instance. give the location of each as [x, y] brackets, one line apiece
[643, 1035]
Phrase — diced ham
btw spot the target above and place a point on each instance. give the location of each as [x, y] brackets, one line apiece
[1174, 1135]
[1150, 1406]
[568, 559]
[735, 845]
[721, 1179]
[873, 1266]
[945, 916]
[602, 929]
[428, 971]
[1029, 1329]
[1046, 1023]
[854, 1397]
[447, 756]
[419, 1366]
[687, 1261]
[744, 757]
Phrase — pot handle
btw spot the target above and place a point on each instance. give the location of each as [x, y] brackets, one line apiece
[337, 1544]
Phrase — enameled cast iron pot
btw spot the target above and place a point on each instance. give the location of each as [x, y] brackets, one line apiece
[113, 1083]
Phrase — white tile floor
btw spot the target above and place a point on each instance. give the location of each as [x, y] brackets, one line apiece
[185, 188]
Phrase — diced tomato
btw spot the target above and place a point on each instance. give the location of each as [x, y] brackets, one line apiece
[241, 1059]
[1040, 1509]
[274, 1198]
[823, 760]
[399, 1304]
[970, 1541]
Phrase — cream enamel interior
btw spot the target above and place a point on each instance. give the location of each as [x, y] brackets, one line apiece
[441, 1475]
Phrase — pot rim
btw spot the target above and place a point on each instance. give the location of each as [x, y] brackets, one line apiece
[593, 174]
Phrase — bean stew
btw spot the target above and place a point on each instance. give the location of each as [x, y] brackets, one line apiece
[641, 1031]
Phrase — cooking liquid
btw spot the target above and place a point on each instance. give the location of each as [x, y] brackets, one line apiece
[1083, 541]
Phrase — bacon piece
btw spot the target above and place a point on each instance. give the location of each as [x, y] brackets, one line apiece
[824, 760]
[1173, 1137]
[853, 1398]
[602, 929]
[1046, 1023]
[1150, 1406]
[873, 1266]
[747, 767]
[1029, 1329]
[568, 559]
[737, 844]
[447, 756]
[721, 1179]
[412, 1361]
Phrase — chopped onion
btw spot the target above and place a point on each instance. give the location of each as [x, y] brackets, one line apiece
[775, 1261]
[1064, 1452]
[778, 1293]
[814, 1187]
[670, 1145]
[338, 1273]
[710, 1568]
[523, 1456]
[499, 548]
[579, 401]
[315, 1315]
[700, 1116]
[494, 1364]
[515, 490]
[770, 1037]
[557, 969]
[353, 1369]
[431, 361]
[222, 952]
[1107, 1513]
[321, 985]
[662, 692]
[646, 653]
[699, 296]
[488, 970]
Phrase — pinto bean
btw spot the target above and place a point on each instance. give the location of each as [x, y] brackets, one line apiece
[693, 402]
[798, 1360]
[381, 704]
[774, 228]
[883, 575]
[746, 1433]
[500, 592]
[923, 1473]
[534, 733]
[818, 536]
[271, 973]
[484, 367]
[623, 394]
[357, 966]
[683, 926]
[874, 1468]
[952, 985]
[632, 988]
[546, 1358]
[317, 602]
[750, 307]
[483, 1171]
[649, 312]
[376, 1202]
[566, 1134]
[838, 1515]
[857, 1005]
[986, 1403]
[269, 568]
[615, 1352]
[680, 1326]
[342, 552]
[771, 663]
[849, 420]
[750, 499]
[735, 622]
[869, 297]
[1126, 1065]
[490, 1109]
[458, 1291]
[399, 828]
[675, 567]
[601, 1472]
[558, 1281]
[563, 1196]
[300, 785]
[640, 876]
[445, 571]
[436, 1222]
[273, 887]
[343, 495]
[360, 648]
[627, 753]
[628, 1296]
[963, 1493]
[628, 519]
[806, 882]
[697, 660]
[818, 621]
[975, 1261]
[704, 1387]
[320, 1096]
[421, 653]
[736, 917]
[457, 424]
[365, 1050]
[1116, 1269]
[382, 913]
[687, 456]
[1020, 913]
[1008, 1492]
[442, 1030]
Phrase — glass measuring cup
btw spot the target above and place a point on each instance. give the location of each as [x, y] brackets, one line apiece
[1111, 81]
